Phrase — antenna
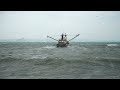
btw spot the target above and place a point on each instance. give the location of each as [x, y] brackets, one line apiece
[62, 29]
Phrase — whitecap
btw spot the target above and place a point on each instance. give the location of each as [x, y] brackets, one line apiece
[49, 47]
[112, 44]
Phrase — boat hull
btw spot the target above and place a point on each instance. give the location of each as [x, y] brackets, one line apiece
[62, 45]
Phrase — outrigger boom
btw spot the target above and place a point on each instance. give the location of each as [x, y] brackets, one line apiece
[63, 41]
[52, 38]
[74, 37]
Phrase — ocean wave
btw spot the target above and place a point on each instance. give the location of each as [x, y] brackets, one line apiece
[38, 57]
[9, 60]
[49, 61]
[48, 47]
[112, 44]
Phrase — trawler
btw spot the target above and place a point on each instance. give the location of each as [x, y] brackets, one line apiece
[63, 42]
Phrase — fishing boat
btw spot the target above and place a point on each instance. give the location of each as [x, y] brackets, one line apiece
[63, 42]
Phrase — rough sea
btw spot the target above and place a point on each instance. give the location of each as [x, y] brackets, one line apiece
[40, 60]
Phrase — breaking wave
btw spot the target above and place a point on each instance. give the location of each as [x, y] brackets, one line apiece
[112, 44]
[48, 47]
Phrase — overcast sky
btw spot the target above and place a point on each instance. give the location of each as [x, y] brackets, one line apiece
[91, 25]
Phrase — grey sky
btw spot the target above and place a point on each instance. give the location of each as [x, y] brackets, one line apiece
[91, 25]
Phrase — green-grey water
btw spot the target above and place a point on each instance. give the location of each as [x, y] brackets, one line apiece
[37, 60]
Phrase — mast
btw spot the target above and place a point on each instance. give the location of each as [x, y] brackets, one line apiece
[62, 36]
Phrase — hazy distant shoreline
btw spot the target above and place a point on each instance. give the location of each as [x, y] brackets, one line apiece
[50, 41]
[71, 42]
